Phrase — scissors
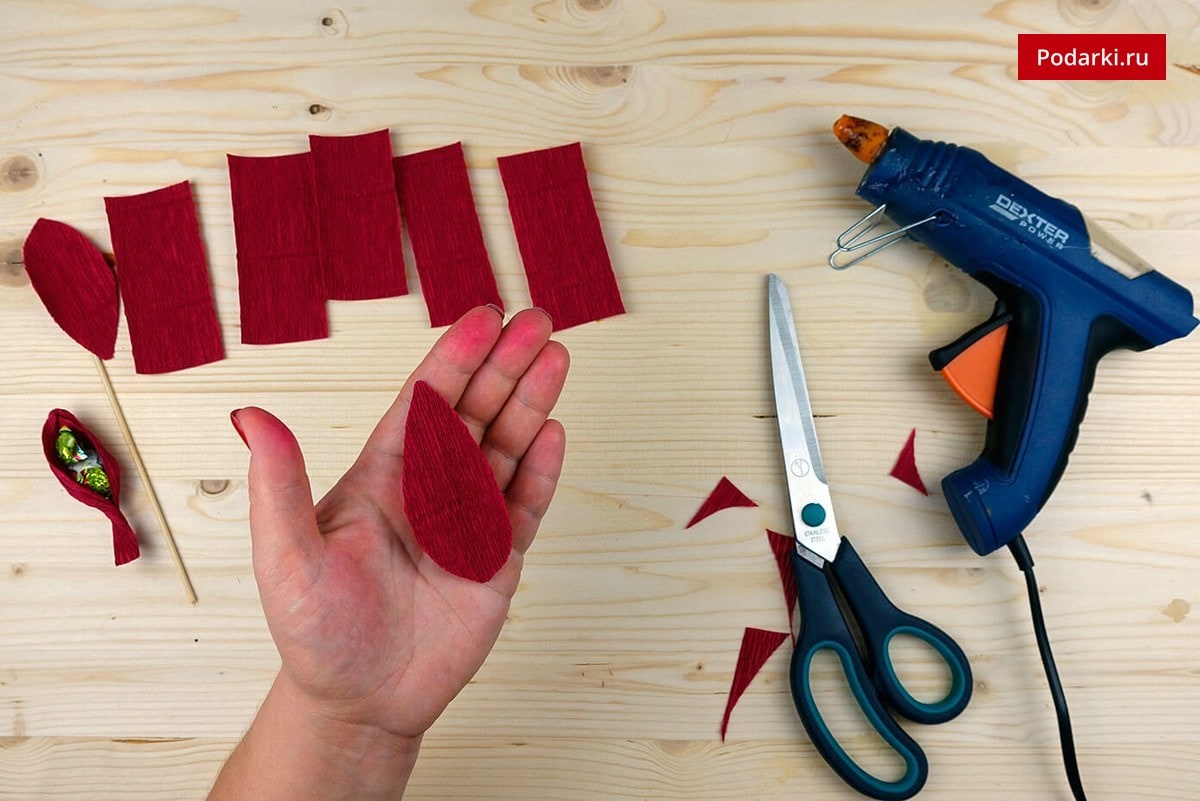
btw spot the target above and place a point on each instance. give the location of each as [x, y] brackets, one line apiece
[826, 566]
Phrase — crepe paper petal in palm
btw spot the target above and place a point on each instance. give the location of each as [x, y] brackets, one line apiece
[125, 544]
[76, 284]
[458, 513]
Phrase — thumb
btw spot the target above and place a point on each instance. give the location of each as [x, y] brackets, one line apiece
[283, 523]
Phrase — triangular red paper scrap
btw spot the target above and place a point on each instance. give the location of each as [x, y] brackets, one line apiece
[456, 509]
[757, 647]
[723, 496]
[783, 548]
[75, 283]
[905, 468]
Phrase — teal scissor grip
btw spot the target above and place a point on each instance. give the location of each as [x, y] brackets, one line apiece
[960, 679]
[916, 768]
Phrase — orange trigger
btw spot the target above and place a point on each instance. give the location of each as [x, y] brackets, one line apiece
[974, 372]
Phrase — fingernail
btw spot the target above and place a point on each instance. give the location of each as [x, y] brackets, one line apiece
[543, 311]
[233, 418]
[496, 309]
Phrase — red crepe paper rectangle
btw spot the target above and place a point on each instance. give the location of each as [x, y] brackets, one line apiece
[723, 496]
[76, 284]
[358, 218]
[164, 279]
[559, 235]
[447, 241]
[125, 544]
[757, 647]
[280, 290]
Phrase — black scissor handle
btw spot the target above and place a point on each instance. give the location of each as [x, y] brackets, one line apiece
[880, 620]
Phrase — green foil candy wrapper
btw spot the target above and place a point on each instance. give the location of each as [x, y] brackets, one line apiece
[75, 453]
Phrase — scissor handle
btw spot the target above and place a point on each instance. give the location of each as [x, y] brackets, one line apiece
[879, 621]
[822, 627]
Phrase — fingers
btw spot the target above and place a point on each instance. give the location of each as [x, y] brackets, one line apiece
[283, 525]
[534, 482]
[448, 368]
[489, 389]
[510, 435]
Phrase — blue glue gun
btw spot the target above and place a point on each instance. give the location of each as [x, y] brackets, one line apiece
[1066, 293]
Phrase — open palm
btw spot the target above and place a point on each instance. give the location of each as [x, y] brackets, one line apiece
[366, 624]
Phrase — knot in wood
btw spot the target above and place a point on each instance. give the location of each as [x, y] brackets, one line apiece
[18, 173]
[605, 76]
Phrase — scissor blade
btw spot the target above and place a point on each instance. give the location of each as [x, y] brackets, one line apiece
[808, 492]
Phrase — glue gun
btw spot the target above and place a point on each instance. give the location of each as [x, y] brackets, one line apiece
[1066, 293]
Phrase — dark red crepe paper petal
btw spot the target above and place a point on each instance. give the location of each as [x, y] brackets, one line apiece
[457, 512]
[905, 468]
[75, 283]
[558, 232]
[280, 290]
[783, 548]
[757, 647]
[358, 218]
[447, 241]
[125, 544]
[164, 280]
[723, 496]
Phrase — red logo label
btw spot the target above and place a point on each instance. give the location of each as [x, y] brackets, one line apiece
[1091, 56]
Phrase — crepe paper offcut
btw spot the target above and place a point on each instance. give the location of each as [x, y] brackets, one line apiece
[458, 513]
[281, 293]
[723, 496]
[164, 280]
[125, 544]
[905, 468]
[559, 235]
[443, 226]
[757, 647]
[783, 548]
[75, 283]
[358, 219]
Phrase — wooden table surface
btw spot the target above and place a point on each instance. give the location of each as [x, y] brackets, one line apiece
[705, 127]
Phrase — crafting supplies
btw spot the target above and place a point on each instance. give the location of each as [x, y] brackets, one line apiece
[281, 291]
[458, 513]
[1067, 293]
[89, 474]
[358, 219]
[164, 280]
[559, 235]
[757, 647]
[447, 240]
[723, 496]
[826, 566]
[75, 283]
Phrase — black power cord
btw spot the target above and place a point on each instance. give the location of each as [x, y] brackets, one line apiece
[1020, 552]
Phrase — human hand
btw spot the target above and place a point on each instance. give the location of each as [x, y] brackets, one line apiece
[371, 632]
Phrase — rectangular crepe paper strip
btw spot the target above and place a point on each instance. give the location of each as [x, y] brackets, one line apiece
[358, 219]
[559, 236]
[280, 290]
[443, 226]
[164, 280]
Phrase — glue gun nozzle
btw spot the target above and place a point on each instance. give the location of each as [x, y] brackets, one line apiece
[861, 137]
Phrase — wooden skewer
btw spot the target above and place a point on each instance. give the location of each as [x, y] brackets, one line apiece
[141, 468]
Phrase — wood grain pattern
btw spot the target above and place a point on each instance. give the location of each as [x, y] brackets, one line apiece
[705, 129]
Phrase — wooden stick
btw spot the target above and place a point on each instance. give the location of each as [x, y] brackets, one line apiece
[141, 468]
